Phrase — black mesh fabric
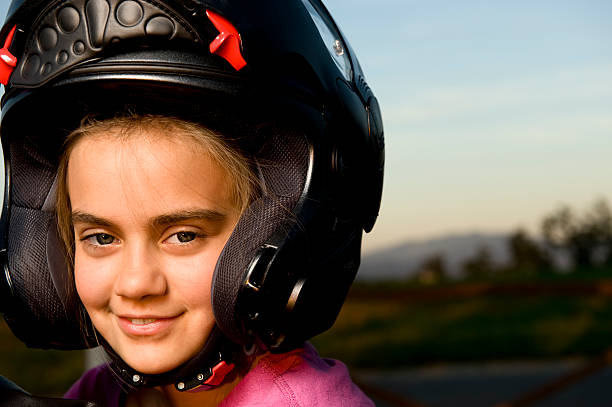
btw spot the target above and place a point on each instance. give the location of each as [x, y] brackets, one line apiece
[284, 166]
[40, 318]
[29, 165]
[37, 315]
[27, 257]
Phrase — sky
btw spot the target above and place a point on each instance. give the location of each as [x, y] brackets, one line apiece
[495, 112]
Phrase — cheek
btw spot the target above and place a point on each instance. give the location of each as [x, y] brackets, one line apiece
[192, 278]
[92, 282]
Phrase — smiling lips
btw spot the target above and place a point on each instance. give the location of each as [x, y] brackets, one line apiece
[142, 321]
[145, 326]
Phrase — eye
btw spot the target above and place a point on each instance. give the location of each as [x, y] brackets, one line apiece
[100, 239]
[185, 237]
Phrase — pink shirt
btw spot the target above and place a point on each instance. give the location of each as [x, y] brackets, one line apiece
[300, 378]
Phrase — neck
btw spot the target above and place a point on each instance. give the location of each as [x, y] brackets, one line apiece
[208, 398]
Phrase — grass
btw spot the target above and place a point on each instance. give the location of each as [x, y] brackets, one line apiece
[386, 333]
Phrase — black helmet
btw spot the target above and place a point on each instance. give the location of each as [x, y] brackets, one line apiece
[276, 74]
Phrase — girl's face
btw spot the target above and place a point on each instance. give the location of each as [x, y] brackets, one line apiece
[151, 215]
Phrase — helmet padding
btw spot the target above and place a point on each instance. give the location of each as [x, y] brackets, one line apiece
[283, 165]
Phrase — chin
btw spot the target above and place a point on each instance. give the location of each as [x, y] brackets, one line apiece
[152, 366]
[153, 361]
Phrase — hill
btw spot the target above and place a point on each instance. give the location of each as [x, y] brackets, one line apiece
[402, 261]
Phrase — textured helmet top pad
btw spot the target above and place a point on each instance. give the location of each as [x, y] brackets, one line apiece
[70, 32]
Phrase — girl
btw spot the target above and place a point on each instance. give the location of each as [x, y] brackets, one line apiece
[210, 205]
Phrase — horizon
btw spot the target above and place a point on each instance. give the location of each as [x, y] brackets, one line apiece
[533, 233]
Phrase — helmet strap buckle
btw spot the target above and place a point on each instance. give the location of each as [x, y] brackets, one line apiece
[211, 377]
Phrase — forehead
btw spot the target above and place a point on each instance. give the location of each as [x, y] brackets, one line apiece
[145, 171]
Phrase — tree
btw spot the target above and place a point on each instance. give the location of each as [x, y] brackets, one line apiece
[432, 270]
[600, 220]
[588, 239]
[480, 265]
[526, 254]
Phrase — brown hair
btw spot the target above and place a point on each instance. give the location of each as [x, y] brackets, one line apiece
[244, 186]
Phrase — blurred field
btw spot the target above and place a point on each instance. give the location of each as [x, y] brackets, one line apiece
[399, 325]
[42, 372]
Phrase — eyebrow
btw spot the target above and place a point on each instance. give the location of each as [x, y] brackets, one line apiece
[186, 215]
[159, 221]
[82, 217]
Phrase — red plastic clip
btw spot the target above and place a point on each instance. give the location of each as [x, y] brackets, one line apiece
[218, 373]
[227, 43]
[9, 62]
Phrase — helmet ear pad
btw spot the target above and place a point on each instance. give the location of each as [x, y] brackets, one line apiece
[38, 302]
[283, 163]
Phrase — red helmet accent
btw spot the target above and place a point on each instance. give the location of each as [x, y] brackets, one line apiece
[218, 373]
[9, 61]
[227, 43]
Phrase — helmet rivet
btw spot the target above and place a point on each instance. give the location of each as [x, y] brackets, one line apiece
[180, 386]
[136, 378]
[200, 377]
[338, 48]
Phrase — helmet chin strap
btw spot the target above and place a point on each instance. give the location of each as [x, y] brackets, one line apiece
[208, 369]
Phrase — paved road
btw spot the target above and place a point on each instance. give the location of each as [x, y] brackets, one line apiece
[488, 384]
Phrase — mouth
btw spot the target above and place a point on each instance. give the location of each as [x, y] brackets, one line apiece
[139, 326]
[142, 321]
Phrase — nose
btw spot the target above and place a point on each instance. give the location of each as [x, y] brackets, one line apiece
[141, 275]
